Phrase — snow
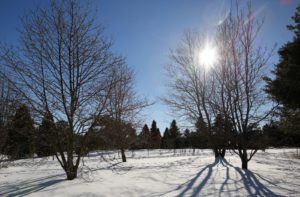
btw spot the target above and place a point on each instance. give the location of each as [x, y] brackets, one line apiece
[157, 173]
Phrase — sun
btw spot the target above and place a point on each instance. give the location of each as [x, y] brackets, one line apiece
[208, 56]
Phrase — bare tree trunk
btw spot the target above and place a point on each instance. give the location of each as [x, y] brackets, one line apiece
[245, 164]
[123, 155]
[216, 151]
[223, 151]
[71, 172]
[244, 159]
[219, 152]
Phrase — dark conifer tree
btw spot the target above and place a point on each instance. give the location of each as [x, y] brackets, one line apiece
[220, 135]
[285, 88]
[21, 134]
[158, 135]
[187, 133]
[145, 132]
[201, 125]
[201, 136]
[153, 129]
[166, 133]
[144, 137]
[172, 137]
[155, 135]
[174, 130]
[45, 136]
[165, 138]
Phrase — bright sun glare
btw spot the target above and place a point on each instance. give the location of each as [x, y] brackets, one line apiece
[208, 56]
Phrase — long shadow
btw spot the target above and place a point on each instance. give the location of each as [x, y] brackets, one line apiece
[27, 187]
[189, 184]
[225, 164]
[252, 184]
[250, 180]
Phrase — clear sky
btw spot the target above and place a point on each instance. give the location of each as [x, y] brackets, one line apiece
[145, 31]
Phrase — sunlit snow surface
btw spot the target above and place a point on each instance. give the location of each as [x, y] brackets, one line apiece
[158, 173]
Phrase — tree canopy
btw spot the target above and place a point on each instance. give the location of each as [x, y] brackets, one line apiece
[285, 87]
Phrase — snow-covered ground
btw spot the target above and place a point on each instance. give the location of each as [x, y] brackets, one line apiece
[158, 173]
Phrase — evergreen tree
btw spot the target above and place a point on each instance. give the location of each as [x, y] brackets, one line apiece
[285, 88]
[201, 125]
[174, 130]
[21, 134]
[158, 135]
[45, 136]
[187, 133]
[166, 133]
[117, 134]
[62, 129]
[200, 138]
[165, 139]
[153, 129]
[289, 124]
[155, 135]
[220, 138]
[275, 137]
[278, 133]
[145, 133]
[222, 126]
[144, 137]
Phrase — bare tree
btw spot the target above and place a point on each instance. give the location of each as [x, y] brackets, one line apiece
[240, 73]
[124, 106]
[63, 66]
[191, 84]
[232, 89]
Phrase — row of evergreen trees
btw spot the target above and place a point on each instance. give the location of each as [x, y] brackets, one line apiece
[222, 136]
[24, 139]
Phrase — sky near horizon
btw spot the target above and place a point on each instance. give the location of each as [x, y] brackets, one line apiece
[145, 31]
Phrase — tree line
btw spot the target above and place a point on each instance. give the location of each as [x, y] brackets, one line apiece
[24, 139]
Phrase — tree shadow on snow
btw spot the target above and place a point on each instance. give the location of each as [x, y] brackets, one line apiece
[27, 187]
[251, 182]
[253, 185]
[190, 183]
[198, 189]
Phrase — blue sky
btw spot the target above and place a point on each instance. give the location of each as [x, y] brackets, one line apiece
[145, 31]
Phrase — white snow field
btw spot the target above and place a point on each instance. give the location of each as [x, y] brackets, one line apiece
[158, 173]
